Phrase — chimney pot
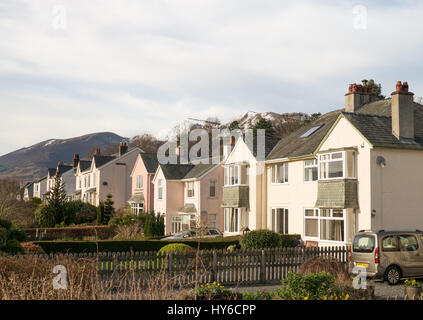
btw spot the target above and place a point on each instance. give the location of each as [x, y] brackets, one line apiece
[97, 152]
[123, 148]
[60, 163]
[75, 160]
[398, 86]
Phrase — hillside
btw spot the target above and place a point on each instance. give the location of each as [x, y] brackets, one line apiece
[32, 162]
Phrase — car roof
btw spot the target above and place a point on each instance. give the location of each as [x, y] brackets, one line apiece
[385, 232]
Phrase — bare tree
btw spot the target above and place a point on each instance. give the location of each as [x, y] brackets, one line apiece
[9, 191]
[147, 143]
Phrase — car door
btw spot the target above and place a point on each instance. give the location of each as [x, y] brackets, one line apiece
[411, 256]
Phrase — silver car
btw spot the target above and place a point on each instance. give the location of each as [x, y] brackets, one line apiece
[388, 255]
[207, 233]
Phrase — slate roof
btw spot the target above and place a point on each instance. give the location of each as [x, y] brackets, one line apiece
[52, 172]
[293, 146]
[176, 171]
[373, 120]
[150, 161]
[64, 168]
[102, 160]
[84, 165]
[199, 169]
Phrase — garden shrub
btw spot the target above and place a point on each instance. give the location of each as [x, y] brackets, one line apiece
[44, 217]
[311, 286]
[10, 235]
[176, 247]
[260, 239]
[70, 233]
[32, 248]
[13, 247]
[326, 264]
[154, 225]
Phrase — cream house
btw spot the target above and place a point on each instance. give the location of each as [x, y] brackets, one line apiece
[351, 169]
[244, 192]
[107, 174]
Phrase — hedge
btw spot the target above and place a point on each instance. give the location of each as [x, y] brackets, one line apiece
[287, 240]
[73, 233]
[127, 246]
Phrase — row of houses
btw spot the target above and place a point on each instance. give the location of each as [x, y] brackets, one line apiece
[355, 168]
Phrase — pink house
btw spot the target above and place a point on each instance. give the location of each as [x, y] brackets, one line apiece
[189, 196]
[142, 175]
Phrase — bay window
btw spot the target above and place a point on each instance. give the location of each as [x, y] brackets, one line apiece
[232, 220]
[325, 224]
[236, 175]
[310, 170]
[137, 208]
[341, 164]
[280, 173]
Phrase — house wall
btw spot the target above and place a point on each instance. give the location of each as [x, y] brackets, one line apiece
[212, 205]
[148, 186]
[160, 205]
[257, 193]
[174, 201]
[346, 135]
[117, 173]
[397, 190]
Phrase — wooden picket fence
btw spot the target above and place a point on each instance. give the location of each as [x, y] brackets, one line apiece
[237, 267]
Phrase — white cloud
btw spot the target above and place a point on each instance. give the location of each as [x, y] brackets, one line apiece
[140, 66]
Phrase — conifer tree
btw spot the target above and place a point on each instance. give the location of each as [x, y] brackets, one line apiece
[57, 200]
[108, 208]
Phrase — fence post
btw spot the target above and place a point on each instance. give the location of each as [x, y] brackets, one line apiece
[263, 267]
[170, 262]
[214, 267]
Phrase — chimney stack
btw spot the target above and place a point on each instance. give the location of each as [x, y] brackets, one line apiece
[60, 163]
[402, 112]
[97, 152]
[358, 95]
[123, 148]
[75, 160]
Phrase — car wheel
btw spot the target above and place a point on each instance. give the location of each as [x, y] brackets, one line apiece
[393, 275]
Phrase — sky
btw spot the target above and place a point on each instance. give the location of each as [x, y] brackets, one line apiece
[74, 67]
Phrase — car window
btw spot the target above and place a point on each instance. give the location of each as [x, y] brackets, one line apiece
[390, 243]
[364, 243]
[213, 232]
[408, 243]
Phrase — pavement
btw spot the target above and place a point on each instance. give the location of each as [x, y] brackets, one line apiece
[383, 290]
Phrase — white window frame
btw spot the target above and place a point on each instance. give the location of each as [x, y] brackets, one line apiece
[274, 173]
[344, 164]
[315, 164]
[137, 208]
[140, 182]
[274, 217]
[238, 223]
[160, 189]
[190, 189]
[317, 216]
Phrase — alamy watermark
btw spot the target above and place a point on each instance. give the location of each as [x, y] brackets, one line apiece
[216, 140]
[59, 17]
[360, 17]
[61, 280]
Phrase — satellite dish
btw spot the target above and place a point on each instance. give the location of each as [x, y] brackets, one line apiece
[380, 161]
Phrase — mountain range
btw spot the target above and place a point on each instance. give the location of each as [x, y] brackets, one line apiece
[31, 163]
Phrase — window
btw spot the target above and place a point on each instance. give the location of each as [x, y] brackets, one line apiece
[310, 131]
[280, 220]
[236, 175]
[137, 208]
[94, 182]
[325, 224]
[231, 220]
[408, 243]
[212, 193]
[310, 170]
[280, 173]
[364, 243]
[160, 189]
[390, 243]
[190, 189]
[89, 181]
[176, 224]
[139, 182]
[211, 221]
[335, 165]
